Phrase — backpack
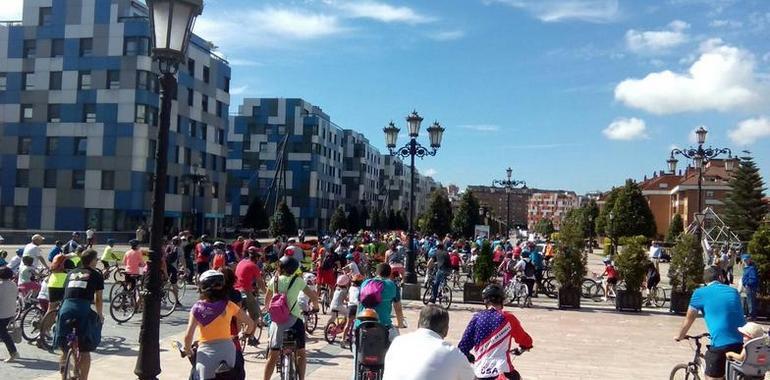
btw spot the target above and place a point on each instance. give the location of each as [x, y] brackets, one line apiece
[529, 269]
[371, 294]
[279, 305]
[219, 261]
[372, 343]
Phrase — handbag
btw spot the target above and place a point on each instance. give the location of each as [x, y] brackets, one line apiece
[14, 330]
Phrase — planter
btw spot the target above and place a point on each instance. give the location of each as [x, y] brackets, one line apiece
[680, 302]
[569, 298]
[472, 293]
[627, 300]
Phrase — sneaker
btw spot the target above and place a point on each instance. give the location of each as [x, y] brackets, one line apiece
[12, 358]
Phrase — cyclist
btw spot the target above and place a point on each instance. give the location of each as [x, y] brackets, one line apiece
[248, 274]
[288, 283]
[395, 257]
[353, 293]
[612, 277]
[133, 261]
[60, 265]
[652, 279]
[487, 339]
[203, 251]
[55, 250]
[33, 249]
[73, 244]
[109, 254]
[173, 255]
[526, 267]
[441, 260]
[507, 268]
[352, 267]
[83, 288]
[339, 299]
[390, 300]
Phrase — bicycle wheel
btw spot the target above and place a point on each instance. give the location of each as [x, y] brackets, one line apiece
[71, 370]
[683, 372]
[123, 306]
[426, 296]
[181, 288]
[659, 297]
[551, 287]
[119, 275]
[311, 322]
[421, 267]
[445, 298]
[116, 288]
[30, 323]
[46, 331]
[288, 372]
[586, 288]
[330, 332]
[168, 301]
[597, 292]
[324, 300]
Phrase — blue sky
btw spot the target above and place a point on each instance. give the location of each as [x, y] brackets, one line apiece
[572, 94]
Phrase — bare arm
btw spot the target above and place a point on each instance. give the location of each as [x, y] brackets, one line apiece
[689, 319]
[99, 303]
[192, 324]
[310, 293]
[244, 319]
[399, 314]
[737, 357]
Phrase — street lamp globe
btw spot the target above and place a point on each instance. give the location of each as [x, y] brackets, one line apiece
[172, 23]
[436, 133]
[701, 134]
[698, 161]
[730, 163]
[391, 135]
[413, 121]
[672, 164]
[509, 173]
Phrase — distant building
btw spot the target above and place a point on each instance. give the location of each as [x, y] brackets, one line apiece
[552, 205]
[495, 198]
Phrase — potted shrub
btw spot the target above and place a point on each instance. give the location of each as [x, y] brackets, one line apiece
[569, 263]
[631, 263]
[483, 271]
[685, 272]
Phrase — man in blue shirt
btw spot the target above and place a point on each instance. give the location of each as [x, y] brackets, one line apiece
[55, 250]
[722, 310]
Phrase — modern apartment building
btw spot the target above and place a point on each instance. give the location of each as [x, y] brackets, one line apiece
[552, 205]
[79, 100]
[362, 164]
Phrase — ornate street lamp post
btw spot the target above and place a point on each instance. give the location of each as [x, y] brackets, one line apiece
[411, 150]
[171, 23]
[700, 156]
[509, 184]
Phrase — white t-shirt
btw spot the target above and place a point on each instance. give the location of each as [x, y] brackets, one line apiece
[354, 268]
[90, 233]
[353, 295]
[338, 300]
[424, 355]
[32, 250]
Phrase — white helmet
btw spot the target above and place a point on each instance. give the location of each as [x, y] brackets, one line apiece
[309, 278]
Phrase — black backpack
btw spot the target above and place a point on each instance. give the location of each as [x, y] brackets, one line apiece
[529, 269]
[372, 343]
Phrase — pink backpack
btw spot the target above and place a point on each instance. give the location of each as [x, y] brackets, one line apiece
[371, 294]
[279, 304]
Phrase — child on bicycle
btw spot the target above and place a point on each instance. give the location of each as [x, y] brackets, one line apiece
[652, 278]
[353, 293]
[507, 268]
[612, 276]
[750, 330]
[27, 282]
[338, 299]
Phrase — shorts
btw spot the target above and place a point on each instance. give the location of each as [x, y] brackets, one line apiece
[612, 281]
[55, 294]
[352, 311]
[88, 325]
[211, 354]
[173, 274]
[277, 333]
[131, 279]
[250, 303]
[715, 358]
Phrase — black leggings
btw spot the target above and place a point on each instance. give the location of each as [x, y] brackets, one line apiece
[5, 337]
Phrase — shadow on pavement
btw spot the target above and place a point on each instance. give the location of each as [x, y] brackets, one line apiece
[36, 364]
[114, 345]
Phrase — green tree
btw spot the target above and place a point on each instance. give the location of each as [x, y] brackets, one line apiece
[603, 221]
[569, 263]
[589, 214]
[675, 228]
[363, 216]
[484, 268]
[686, 268]
[759, 247]
[632, 214]
[354, 223]
[439, 214]
[402, 220]
[632, 262]
[256, 217]
[283, 222]
[744, 209]
[545, 228]
[376, 220]
[338, 221]
[392, 220]
[467, 216]
[422, 224]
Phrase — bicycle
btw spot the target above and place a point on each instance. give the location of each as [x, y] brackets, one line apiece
[656, 297]
[118, 273]
[334, 328]
[694, 369]
[31, 322]
[323, 298]
[444, 296]
[311, 320]
[124, 304]
[517, 292]
[71, 370]
[287, 363]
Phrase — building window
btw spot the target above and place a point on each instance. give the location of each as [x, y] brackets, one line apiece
[3, 81]
[133, 46]
[46, 16]
[152, 148]
[113, 79]
[141, 114]
[26, 113]
[86, 47]
[89, 113]
[30, 48]
[145, 80]
[227, 84]
[205, 103]
[206, 74]
[152, 116]
[26, 81]
[81, 144]
[191, 67]
[220, 108]
[84, 80]
[204, 131]
[22, 177]
[57, 47]
[24, 144]
[49, 178]
[108, 180]
[221, 136]
[193, 128]
[78, 179]
[54, 113]
[54, 80]
[215, 190]
[51, 145]
[190, 97]
[187, 156]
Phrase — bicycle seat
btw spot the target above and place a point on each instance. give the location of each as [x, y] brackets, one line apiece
[757, 358]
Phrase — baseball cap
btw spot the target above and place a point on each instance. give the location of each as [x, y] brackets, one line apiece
[751, 330]
[37, 236]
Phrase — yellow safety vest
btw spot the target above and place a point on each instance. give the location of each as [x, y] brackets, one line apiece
[57, 279]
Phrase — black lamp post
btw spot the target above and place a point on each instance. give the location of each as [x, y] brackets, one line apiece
[196, 180]
[700, 156]
[509, 184]
[412, 149]
[171, 23]
[612, 234]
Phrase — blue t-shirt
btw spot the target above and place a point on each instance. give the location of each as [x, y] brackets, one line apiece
[722, 310]
[385, 308]
[537, 259]
[54, 251]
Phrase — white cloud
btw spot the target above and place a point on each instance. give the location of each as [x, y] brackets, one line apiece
[267, 26]
[725, 24]
[430, 172]
[657, 41]
[481, 127]
[750, 130]
[11, 10]
[723, 78]
[239, 90]
[381, 12]
[447, 35]
[597, 11]
[626, 129]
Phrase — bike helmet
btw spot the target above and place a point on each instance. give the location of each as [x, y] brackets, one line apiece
[607, 260]
[309, 278]
[109, 241]
[219, 244]
[288, 265]
[493, 294]
[133, 243]
[211, 279]
[368, 315]
[349, 256]
[343, 280]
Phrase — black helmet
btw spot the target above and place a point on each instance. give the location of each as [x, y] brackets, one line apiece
[289, 265]
[133, 243]
[493, 294]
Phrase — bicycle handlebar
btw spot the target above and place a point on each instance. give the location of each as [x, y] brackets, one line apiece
[697, 337]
